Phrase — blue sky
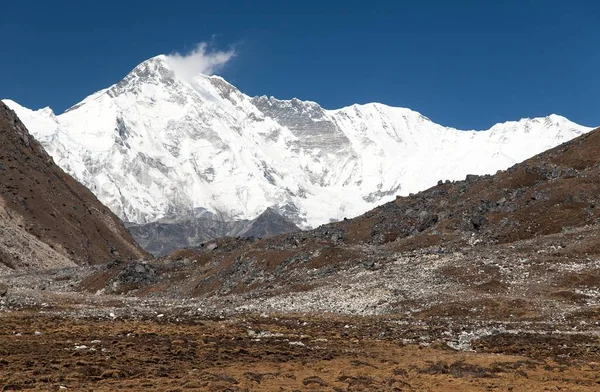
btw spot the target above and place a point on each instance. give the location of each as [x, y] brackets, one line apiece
[463, 63]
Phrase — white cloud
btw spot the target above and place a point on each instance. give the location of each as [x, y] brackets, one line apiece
[201, 60]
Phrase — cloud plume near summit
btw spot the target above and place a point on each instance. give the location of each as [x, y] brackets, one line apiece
[203, 59]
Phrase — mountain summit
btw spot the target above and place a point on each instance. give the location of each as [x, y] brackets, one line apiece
[160, 143]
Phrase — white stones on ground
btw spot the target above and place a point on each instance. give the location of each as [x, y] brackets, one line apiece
[263, 334]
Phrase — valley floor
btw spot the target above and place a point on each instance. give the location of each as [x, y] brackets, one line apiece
[523, 317]
[80, 347]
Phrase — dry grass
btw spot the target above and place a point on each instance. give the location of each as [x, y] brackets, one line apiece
[219, 355]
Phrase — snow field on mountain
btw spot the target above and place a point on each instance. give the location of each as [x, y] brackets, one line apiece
[156, 145]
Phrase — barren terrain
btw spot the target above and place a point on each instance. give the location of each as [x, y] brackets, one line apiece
[50, 348]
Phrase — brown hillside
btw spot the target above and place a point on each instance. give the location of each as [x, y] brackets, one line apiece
[47, 219]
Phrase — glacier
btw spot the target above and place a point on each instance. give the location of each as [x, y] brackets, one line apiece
[158, 144]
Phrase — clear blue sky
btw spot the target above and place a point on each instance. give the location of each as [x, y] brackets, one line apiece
[462, 63]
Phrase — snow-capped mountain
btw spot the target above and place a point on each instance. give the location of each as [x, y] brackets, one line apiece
[162, 144]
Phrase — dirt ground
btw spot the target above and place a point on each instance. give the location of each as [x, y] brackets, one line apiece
[47, 351]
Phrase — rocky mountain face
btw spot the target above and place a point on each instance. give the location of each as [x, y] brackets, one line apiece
[48, 219]
[268, 224]
[159, 144]
[167, 235]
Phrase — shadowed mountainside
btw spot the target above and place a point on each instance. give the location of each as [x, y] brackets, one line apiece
[167, 235]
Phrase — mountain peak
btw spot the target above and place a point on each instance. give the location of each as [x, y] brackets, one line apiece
[155, 65]
[155, 71]
[172, 139]
[164, 76]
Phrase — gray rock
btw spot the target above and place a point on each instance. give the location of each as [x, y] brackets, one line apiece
[138, 273]
[3, 290]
